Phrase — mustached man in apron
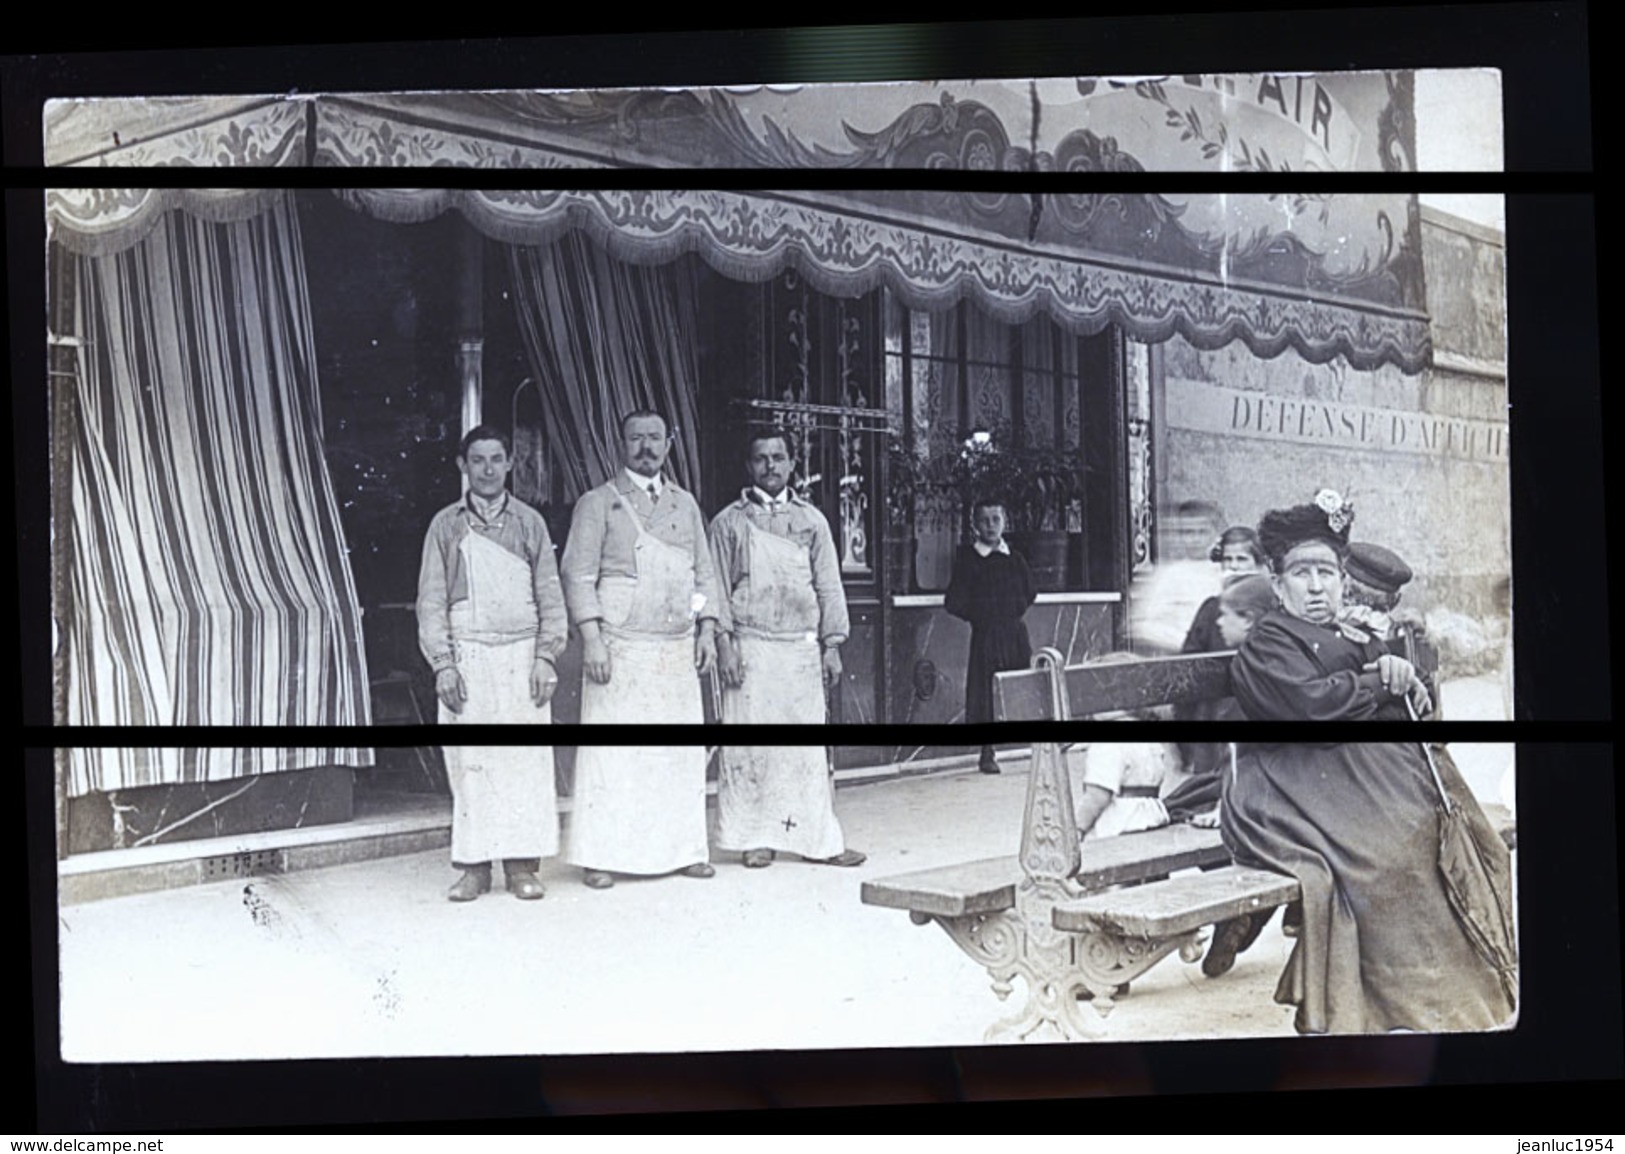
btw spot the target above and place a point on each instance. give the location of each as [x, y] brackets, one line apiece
[778, 652]
[640, 587]
[492, 623]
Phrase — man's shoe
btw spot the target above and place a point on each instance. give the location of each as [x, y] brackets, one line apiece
[1258, 921]
[471, 885]
[846, 858]
[1227, 943]
[527, 887]
[758, 859]
[598, 880]
[702, 869]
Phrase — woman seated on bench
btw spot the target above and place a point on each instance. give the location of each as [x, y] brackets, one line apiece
[1381, 947]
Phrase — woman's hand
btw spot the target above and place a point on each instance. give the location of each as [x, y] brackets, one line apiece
[1399, 678]
[1208, 820]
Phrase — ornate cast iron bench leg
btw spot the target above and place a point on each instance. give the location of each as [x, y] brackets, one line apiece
[1023, 942]
[1107, 961]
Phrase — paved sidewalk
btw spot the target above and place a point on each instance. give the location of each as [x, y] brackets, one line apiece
[370, 959]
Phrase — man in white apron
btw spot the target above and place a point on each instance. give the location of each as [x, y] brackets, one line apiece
[640, 587]
[492, 623]
[783, 621]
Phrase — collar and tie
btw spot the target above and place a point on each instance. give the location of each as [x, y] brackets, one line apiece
[650, 486]
[486, 512]
[771, 504]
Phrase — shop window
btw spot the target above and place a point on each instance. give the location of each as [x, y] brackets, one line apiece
[1050, 401]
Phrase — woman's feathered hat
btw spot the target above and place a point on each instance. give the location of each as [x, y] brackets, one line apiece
[1328, 519]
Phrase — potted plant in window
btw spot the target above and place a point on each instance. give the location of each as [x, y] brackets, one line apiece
[1043, 506]
[1040, 487]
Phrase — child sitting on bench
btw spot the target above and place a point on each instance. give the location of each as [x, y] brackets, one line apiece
[1120, 787]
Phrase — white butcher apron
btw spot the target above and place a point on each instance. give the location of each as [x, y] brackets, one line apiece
[778, 797]
[641, 809]
[504, 803]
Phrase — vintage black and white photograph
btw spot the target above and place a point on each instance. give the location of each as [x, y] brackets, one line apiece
[1092, 892]
[877, 456]
[895, 442]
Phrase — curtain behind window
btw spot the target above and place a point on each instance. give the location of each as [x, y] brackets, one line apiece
[209, 582]
[603, 338]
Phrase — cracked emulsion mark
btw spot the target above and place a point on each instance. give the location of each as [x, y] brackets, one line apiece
[385, 996]
[259, 909]
[789, 824]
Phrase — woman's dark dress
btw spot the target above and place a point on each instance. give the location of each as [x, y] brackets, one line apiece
[1203, 760]
[1203, 635]
[1357, 825]
[993, 593]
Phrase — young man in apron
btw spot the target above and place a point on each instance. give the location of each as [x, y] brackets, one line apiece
[640, 587]
[778, 652]
[492, 623]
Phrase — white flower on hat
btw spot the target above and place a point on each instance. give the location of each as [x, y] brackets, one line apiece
[1339, 513]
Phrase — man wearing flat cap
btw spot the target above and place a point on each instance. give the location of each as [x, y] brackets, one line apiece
[1374, 576]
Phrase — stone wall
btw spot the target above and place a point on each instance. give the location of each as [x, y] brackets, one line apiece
[1445, 512]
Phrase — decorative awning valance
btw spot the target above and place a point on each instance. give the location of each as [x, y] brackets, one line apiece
[1092, 260]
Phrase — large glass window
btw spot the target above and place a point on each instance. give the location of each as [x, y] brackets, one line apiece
[1025, 396]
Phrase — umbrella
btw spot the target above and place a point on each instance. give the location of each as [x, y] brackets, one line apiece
[1477, 870]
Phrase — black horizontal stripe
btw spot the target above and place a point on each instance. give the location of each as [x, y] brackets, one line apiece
[901, 736]
[822, 179]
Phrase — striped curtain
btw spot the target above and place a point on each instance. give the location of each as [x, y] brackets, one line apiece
[209, 581]
[605, 338]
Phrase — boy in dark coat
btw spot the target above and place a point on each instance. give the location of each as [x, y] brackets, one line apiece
[992, 589]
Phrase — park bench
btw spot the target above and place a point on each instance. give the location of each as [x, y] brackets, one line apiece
[1002, 911]
[1068, 917]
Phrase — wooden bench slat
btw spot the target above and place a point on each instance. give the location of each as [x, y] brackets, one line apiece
[1177, 905]
[989, 885]
[976, 887]
[1133, 857]
[1024, 695]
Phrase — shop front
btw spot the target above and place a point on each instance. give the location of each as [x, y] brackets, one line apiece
[1121, 352]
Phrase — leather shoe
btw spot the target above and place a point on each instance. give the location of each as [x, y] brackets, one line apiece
[471, 885]
[527, 887]
[702, 869]
[758, 859]
[598, 879]
[1228, 940]
[847, 858]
